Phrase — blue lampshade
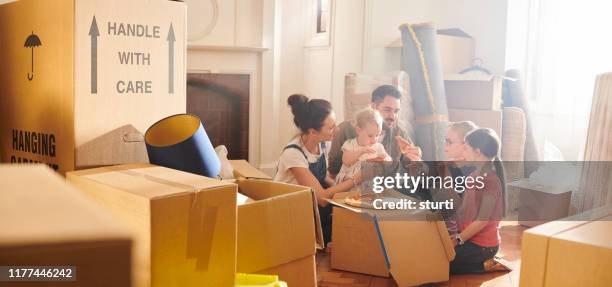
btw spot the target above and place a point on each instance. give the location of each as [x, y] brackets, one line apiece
[180, 142]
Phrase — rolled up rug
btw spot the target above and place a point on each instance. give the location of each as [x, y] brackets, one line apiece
[421, 60]
[180, 142]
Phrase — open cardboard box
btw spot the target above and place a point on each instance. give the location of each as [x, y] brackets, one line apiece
[46, 222]
[575, 251]
[416, 246]
[184, 225]
[278, 228]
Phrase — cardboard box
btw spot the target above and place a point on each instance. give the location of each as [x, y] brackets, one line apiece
[87, 69]
[358, 95]
[540, 204]
[301, 272]
[457, 50]
[356, 247]
[482, 118]
[473, 91]
[574, 252]
[456, 47]
[184, 224]
[279, 230]
[45, 222]
[416, 246]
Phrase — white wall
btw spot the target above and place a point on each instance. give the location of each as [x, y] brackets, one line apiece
[383, 18]
[318, 72]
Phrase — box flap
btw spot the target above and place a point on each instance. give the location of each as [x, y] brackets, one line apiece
[149, 181]
[475, 77]
[38, 207]
[595, 233]
[242, 168]
[468, 77]
[453, 32]
[261, 189]
[277, 227]
[425, 259]
[122, 145]
[526, 184]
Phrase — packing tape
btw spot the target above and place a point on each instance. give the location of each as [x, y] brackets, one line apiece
[202, 221]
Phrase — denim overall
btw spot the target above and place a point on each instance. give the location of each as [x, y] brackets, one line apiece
[319, 170]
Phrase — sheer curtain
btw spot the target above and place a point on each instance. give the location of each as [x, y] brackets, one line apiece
[560, 46]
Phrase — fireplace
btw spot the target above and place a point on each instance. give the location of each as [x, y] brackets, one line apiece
[222, 102]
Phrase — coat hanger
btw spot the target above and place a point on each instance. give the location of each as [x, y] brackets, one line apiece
[476, 67]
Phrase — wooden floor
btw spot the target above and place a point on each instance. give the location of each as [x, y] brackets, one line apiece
[510, 250]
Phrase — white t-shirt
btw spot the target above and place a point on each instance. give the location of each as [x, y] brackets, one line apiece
[292, 157]
[347, 172]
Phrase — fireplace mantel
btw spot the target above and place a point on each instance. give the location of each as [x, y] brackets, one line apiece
[226, 48]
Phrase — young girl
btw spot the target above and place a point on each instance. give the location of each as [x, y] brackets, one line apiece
[364, 147]
[455, 166]
[482, 208]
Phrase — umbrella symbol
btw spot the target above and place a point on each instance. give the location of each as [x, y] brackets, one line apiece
[31, 42]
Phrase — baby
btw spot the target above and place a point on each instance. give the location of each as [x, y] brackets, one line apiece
[364, 147]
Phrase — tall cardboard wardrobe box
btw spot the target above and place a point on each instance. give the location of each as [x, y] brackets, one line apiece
[574, 251]
[184, 225]
[278, 229]
[84, 78]
[46, 222]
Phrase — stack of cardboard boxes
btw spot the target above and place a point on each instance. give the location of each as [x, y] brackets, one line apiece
[475, 97]
[91, 77]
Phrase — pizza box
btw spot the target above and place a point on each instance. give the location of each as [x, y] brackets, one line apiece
[415, 243]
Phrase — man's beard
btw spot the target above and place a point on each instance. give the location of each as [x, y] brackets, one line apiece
[388, 126]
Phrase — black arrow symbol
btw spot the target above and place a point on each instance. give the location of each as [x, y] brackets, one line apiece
[171, 39]
[94, 33]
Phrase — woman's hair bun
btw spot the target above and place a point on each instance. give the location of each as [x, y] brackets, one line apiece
[308, 114]
[297, 100]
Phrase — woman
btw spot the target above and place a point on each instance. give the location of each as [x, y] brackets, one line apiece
[482, 208]
[304, 161]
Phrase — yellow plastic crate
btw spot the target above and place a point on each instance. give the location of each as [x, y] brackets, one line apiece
[258, 280]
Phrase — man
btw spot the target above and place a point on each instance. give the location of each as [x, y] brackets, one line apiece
[386, 99]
